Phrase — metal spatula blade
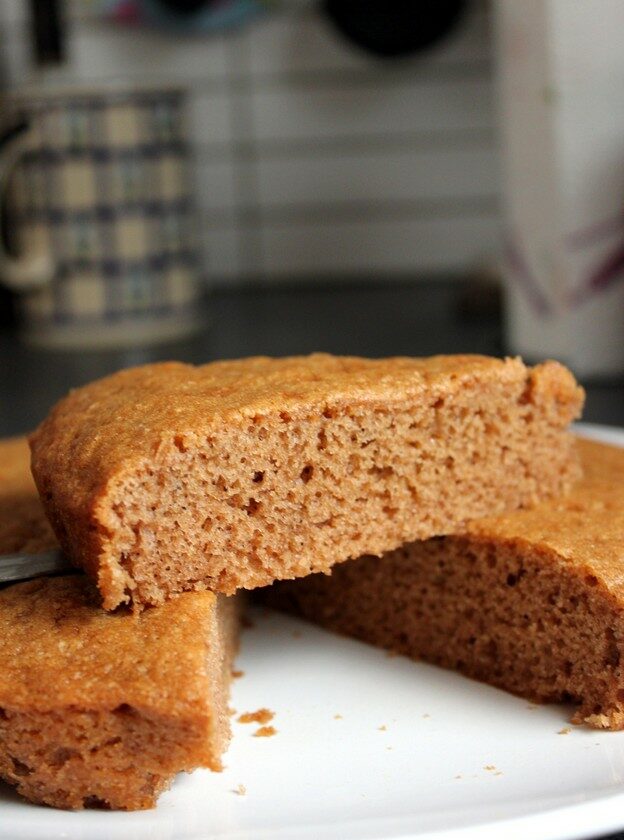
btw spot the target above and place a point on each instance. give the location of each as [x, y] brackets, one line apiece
[15, 567]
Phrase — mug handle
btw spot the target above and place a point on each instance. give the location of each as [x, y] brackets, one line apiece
[23, 273]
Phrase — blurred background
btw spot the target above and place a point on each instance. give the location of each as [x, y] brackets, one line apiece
[197, 179]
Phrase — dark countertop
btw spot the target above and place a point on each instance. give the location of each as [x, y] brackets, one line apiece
[370, 320]
[381, 320]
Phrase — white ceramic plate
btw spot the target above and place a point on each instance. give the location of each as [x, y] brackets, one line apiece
[367, 747]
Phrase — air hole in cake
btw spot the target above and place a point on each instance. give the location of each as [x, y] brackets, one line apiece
[3, 714]
[124, 710]
[252, 507]
[178, 442]
[591, 580]
[527, 395]
[612, 656]
[511, 580]
[61, 756]
[94, 802]
[255, 562]
[258, 477]
[322, 440]
[382, 472]
[306, 473]
[19, 768]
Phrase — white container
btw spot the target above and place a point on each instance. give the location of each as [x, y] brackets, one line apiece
[561, 90]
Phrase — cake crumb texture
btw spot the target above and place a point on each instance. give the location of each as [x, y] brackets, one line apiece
[234, 474]
[532, 602]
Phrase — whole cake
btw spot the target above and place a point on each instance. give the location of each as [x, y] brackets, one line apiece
[102, 709]
[231, 475]
[532, 602]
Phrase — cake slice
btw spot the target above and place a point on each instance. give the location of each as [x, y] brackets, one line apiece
[231, 475]
[102, 709]
[532, 602]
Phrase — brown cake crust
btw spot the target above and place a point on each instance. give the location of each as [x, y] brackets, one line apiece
[102, 709]
[233, 474]
[532, 602]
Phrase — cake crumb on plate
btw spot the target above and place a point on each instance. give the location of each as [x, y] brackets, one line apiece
[265, 732]
[260, 716]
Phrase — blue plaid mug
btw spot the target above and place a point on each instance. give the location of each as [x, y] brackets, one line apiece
[96, 202]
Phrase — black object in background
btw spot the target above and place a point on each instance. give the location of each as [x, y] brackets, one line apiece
[7, 307]
[47, 31]
[394, 28]
[184, 7]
